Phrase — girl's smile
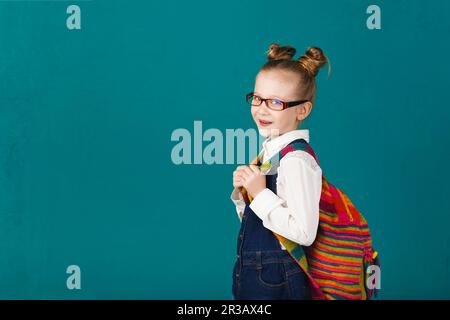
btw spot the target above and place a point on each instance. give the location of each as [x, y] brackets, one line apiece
[263, 123]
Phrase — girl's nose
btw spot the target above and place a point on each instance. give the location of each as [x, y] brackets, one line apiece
[263, 109]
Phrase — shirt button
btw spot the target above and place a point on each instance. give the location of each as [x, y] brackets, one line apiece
[238, 256]
[241, 236]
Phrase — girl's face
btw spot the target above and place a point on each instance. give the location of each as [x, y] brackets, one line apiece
[282, 85]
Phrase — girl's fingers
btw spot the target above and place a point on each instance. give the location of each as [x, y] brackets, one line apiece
[244, 172]
[237, 184]
[244, 175]
[240, 168]
[248, 171]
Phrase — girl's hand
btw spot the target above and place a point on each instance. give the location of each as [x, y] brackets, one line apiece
[237, 183]
[237, 177]
[252, 179]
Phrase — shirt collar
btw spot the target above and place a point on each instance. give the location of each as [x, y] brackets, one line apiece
[273, 145]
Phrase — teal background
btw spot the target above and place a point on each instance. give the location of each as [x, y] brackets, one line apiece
[86, 117]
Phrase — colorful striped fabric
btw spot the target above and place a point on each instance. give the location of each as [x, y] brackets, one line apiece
[336, 263]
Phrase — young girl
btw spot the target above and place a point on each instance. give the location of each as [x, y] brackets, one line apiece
[287, 201]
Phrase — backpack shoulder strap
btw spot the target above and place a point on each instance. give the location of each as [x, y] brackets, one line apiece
[337, 196]
[299, 144]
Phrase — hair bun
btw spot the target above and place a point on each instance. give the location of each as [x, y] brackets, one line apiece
[276, 52]
[312, 60]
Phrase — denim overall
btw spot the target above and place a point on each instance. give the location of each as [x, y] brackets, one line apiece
[263, 270]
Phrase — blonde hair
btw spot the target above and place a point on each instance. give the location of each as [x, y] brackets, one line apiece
[306, 66]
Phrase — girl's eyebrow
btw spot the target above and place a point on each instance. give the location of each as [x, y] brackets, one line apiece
[274, 97]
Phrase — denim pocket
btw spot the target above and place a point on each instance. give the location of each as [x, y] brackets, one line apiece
[272, 275]
[260, 284]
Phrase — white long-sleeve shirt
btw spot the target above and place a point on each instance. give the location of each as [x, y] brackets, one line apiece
[294, 211]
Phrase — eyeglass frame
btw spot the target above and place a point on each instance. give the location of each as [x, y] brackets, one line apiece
[284, 103]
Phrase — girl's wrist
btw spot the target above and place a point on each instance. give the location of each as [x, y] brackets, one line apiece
[256, 192]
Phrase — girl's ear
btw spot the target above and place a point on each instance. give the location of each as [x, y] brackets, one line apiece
[304, 110]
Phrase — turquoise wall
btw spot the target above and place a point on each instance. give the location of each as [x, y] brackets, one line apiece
[86, 117]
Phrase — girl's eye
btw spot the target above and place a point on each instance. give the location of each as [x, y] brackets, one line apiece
[276, 102]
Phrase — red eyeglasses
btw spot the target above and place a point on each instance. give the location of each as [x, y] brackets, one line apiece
[274, 104]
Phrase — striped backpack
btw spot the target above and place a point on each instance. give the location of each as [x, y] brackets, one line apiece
[338, 260]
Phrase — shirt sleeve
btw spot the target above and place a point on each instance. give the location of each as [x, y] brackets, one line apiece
[296, 215]
[238, 201]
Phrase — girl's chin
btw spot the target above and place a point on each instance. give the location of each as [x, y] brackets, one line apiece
[266, 132]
